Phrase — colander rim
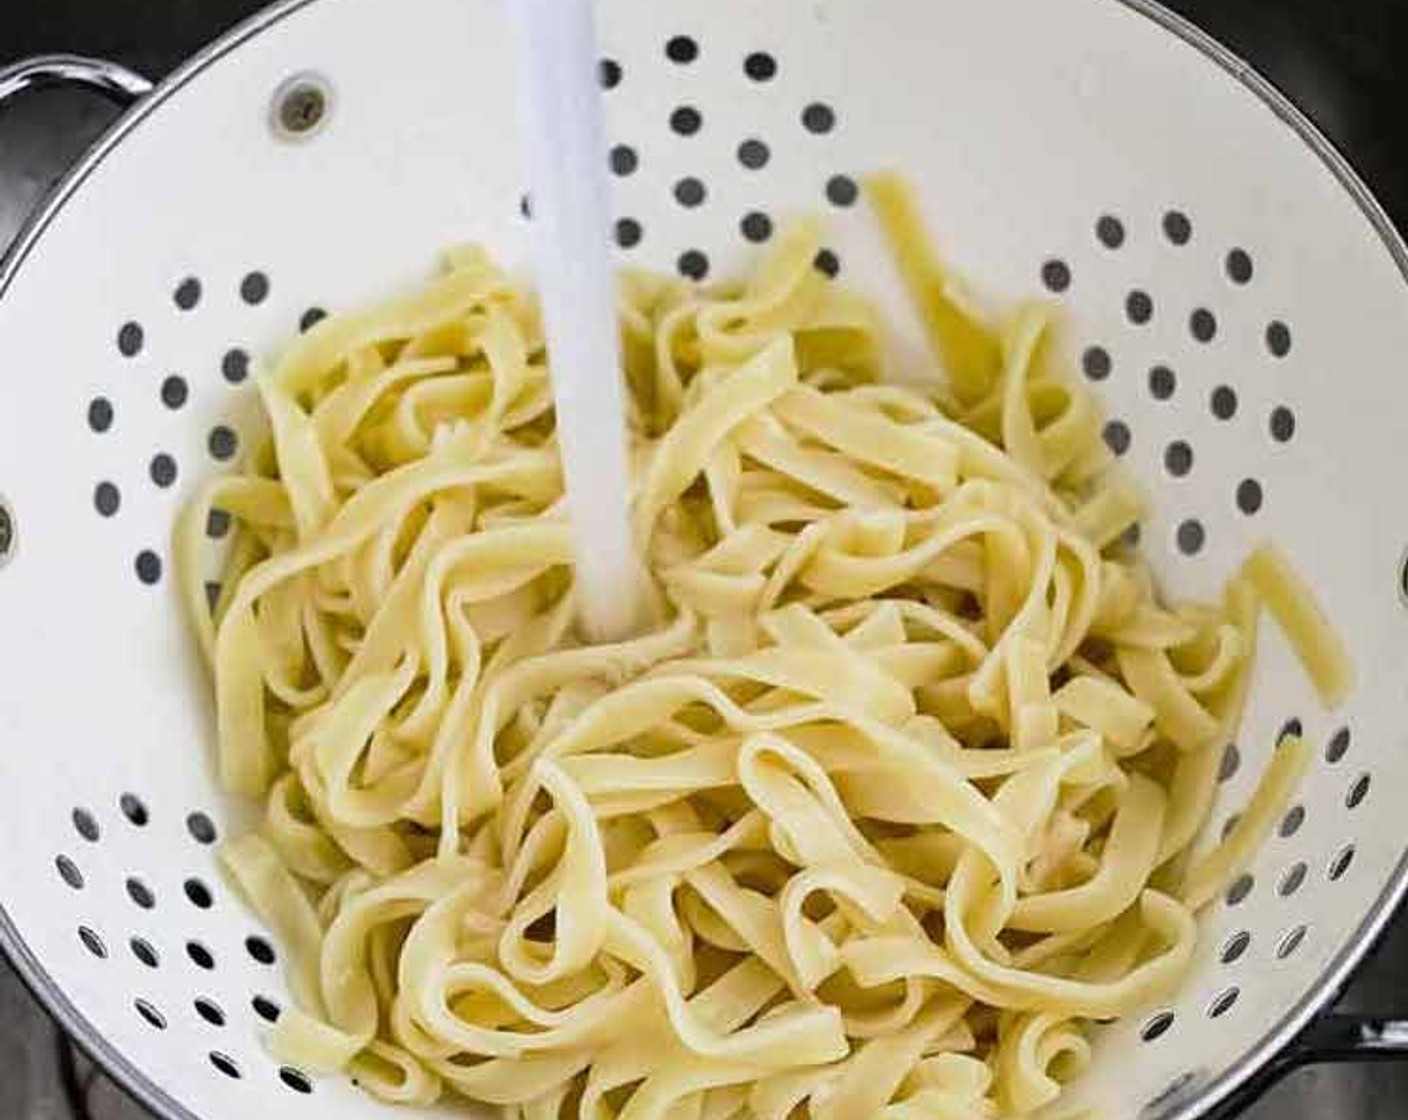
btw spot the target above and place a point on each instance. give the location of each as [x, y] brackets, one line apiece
[1322, 991]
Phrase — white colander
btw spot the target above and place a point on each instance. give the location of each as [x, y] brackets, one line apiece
[1235, 292]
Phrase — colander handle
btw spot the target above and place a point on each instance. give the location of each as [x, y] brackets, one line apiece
[113, 81]
[1330, 1038]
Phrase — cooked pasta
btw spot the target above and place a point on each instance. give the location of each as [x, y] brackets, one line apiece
[896, 796]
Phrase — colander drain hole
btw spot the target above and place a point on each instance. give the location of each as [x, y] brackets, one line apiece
[163, 469]
[681, 49]
[7, 532]
[628, 233]
[100, 415]
[86, 825]
[1139, 307]
[210, 1011]
[150, 1014]
[1237, 893]
[754, 154]
[148, 567]
[174, 391]
[1178, 458]
[134, 809]
[68, 872]
[266, 1008]
[1109, 231]
[1239, 266]
[1235, 947]
[1290, 942]
[1177, 227]
[311, 318]
[1249, 496]
[130, 337]
[755, 226]
[1190, 536]
[1162, 382]
[1156, 1026]
[199, 894]
[841, 190]
[222, 443]
[693, 264]
[623, 160]
[187, 294]
[254, 288]
[686, 120]
[234, 366]
[1117, 436]
[140, 893]
[1056, 275]
[260, 950]
[143, 950]
[760, 66]
[1223, 402]
[1292, 880]
[93, 943]
[1282, 424]
[200, 956]
[201, 828]
[225, 1064]
[819, 118]
[1223, 1002]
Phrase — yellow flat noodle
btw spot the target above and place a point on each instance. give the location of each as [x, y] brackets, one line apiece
[870, 1076]
[1178, 713]
[1214, 872]
[686, 447]
[892, 796]
[1018, 426]
[1031, 1051]
[1114, 508]
[1107, 708]
[1125, 865]
[970, 352]
[1071, 440]
[1303, 620]
[870, 439]
[470, 283]
[303, 465]
[281, 904]
[1032, 716]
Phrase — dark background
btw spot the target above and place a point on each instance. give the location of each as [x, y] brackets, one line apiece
[1341, 61]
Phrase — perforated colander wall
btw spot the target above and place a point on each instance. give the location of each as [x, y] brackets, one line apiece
[1227, 298]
